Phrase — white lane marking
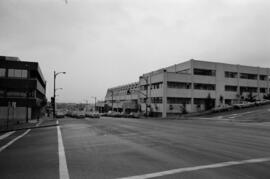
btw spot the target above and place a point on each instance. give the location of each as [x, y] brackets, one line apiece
[14, 140]
[63, 170]
[57, 122]
[201, 167]
[6, 135]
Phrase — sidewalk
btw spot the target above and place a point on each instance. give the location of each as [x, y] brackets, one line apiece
[43, 122]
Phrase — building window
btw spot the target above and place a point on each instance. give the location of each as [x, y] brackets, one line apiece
[178, 85]
[156, 99]
[201, 86]
[17, 73]
[2, 72]
[143, 100]
[248, 76]
[16, 94]
[228, 101]
[263, 77]
[178, 100]
[187, 71]
[24, 73]
[263, 90]
[230, 88]
[248, 89]
[144, 87]
[229, 74]
[156, 85]
[204, 72]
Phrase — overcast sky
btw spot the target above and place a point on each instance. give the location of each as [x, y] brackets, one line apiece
[105, 43]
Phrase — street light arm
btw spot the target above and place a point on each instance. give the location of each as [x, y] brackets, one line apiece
[63, 72]
[54, 89]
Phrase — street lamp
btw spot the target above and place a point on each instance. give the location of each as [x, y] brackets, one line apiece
[54, 89]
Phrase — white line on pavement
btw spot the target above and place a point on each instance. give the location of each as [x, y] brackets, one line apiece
[14, 140]
[6, 135]
[63, 170]
[201, 167]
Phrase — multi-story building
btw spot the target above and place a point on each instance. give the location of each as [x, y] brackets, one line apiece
[195, 85]
[123, 98]
[22, 90]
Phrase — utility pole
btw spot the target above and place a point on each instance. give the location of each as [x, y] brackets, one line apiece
[54, 89]
[54, 77]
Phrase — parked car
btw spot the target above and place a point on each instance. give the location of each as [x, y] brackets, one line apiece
[114, 114]
[80, 114]
[92, 114]
[59, 114]
[222, 109]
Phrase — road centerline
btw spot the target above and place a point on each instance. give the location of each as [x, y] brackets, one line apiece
[63, 170]
[201, 167]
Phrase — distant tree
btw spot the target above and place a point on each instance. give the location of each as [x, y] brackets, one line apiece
[209, 102]
[250, 97]
[267, 96]
[106, 107]
[184, 111]
[221, 99]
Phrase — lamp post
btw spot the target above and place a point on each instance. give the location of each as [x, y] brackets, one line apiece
[54, 89]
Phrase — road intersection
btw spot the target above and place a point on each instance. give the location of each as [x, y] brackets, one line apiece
[138, 148]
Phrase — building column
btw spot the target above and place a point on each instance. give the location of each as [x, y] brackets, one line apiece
[192, 86]
[258, 84]
[238, 84]
[268, 75]
[164, 98]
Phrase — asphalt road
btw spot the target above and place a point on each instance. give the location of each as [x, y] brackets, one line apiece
[117, 148]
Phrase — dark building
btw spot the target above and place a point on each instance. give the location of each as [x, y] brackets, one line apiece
[22, 91]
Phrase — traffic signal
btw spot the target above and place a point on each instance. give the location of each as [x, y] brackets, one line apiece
[52, 102]
[128, 92]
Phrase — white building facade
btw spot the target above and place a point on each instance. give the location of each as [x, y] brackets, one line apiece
[192, 85]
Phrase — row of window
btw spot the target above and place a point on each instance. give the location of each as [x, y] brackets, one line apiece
[248, 76]
[13, 73]
[197, 101]
[245, 89]
[156, 100]
[153, 86]
[204, 72]
[17, 94]
[229, 74]
[179, 85]
[171, 100]
[198, 86]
